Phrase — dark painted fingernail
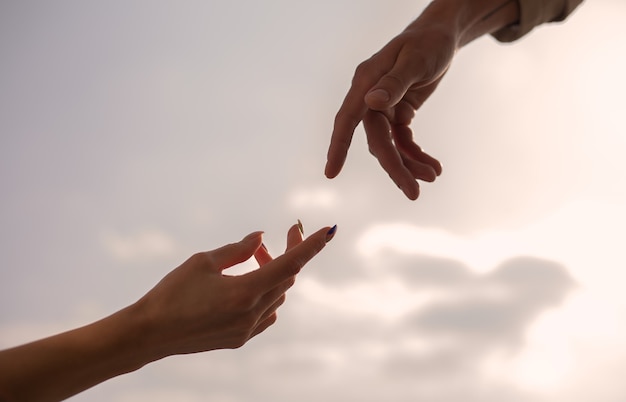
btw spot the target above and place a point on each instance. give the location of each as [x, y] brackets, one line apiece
[331, 233]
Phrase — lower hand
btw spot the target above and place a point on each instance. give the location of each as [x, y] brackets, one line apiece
[197, 308]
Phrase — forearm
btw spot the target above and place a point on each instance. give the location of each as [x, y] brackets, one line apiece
[467, 20]
[60, 366]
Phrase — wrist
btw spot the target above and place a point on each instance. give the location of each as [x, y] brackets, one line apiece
[466, 20]
[139, 336]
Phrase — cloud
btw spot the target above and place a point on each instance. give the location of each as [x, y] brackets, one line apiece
[496, 308]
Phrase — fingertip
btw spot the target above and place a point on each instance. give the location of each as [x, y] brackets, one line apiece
[430, 174]
[331, 233]
[294, 236]
[438, 167]
[300, 227]
[412, 192]
[329, 173]
[254, 241]
[334, 164]
[253, 237]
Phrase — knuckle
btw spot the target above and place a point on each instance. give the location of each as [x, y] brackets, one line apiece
[288, 284]
[395, 80]
[202, 259]
[362, 69]
[294, 267]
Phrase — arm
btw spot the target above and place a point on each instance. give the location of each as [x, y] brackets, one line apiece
[390, 86]
[195, 308]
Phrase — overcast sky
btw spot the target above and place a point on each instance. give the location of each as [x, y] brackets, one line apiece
[134, 133]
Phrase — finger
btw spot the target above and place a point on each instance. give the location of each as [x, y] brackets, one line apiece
[420, 171]
[403, 138]
[353, 108]
[289, 264]
[402, 114]
[271, 308]
[274, 294]
[420, 62]
[263, 325]
[268, 317]
[294, 236]
[347, 119]
[407, 71]
[235, 253]
[262, 255]
[418, 95]
[381, 146]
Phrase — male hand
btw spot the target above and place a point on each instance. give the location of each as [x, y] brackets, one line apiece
[386, 91]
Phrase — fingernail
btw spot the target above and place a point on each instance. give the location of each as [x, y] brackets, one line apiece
[331, 233]
[300, 228]
[264, 248]
[378, 95]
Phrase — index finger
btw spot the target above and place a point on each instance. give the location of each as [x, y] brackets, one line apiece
[347, 119]
[353, 109]
[289, 264]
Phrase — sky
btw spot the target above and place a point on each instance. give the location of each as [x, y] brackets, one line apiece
[135, 133]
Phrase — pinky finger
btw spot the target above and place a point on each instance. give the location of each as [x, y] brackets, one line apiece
[403, 137]
[421, 171]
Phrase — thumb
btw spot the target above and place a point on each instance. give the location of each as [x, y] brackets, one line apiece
[386, 93]
[235, 253]
[391, 87]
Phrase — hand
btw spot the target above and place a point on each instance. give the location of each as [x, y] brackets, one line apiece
[386, 91]
[196, 308]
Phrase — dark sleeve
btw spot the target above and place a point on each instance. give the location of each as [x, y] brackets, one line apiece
[536, 12]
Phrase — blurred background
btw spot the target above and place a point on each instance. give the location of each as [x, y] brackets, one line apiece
[135, 133]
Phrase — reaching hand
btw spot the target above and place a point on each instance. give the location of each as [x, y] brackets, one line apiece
[194, 308]
[197, 308]
[386, 91]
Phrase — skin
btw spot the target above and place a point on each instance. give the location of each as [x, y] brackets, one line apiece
[195, 308]
[389, 87]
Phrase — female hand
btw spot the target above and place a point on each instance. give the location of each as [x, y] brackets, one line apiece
[194, 308]
[197, 308]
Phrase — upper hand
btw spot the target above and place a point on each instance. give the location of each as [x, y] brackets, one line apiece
[386, 91]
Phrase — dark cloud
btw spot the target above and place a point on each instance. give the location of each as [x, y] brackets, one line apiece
[471, 320]
[428, 272]
[497, 306]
